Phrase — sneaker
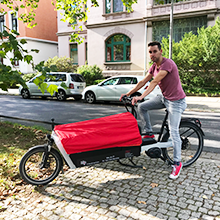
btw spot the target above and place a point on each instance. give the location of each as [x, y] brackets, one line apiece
[176, 171]
[149, 136]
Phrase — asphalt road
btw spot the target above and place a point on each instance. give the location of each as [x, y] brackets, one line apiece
[36, 110]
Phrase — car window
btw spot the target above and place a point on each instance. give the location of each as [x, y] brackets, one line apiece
[56, 77]
[77, 78]
[134, 81]
[126, 80]
[112, 81]
[32, 81]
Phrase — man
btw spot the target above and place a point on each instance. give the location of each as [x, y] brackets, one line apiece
[165, 75]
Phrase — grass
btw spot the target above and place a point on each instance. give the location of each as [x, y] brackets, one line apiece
[15, 140]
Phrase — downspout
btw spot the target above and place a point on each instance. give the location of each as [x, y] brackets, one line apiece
[145, 43]
[145, 48]
[171, 32]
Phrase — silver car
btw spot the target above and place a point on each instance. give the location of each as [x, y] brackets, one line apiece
[112, 88]
[75, 83]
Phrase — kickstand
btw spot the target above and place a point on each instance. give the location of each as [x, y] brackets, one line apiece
[128, 165]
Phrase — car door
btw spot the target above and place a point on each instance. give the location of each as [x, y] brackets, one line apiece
[55, 79]
[106, 90]
[33, 88]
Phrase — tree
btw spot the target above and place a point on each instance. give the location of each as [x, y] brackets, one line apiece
[90, 73]
[197, 58]
[9, 44]
[63, 64]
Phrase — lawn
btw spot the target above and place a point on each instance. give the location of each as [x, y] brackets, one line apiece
[15, 140]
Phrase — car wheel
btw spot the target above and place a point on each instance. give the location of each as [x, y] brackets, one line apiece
[90, 97]
[25, 94]
[61, 95]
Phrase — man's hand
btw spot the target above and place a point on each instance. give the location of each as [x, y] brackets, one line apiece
[122, 95]
[136, 99]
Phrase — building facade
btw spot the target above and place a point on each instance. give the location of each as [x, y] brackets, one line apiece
[70, 49]
[42, 37]
[117, 40]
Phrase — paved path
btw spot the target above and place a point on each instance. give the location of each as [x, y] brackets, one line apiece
[111, 191]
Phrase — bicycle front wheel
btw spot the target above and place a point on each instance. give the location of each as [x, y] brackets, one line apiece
[32, 169]
[192, 144]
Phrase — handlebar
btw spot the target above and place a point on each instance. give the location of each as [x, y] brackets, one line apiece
[128, 103]
[127, 100]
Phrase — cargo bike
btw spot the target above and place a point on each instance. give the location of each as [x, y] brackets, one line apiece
[106, 139]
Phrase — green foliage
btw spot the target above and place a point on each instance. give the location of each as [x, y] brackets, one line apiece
[9, 44]
[28, 76]
[9, 75]
[98, 81]
[63, 64]
[29, 5]
[90, 73]
[197, 58]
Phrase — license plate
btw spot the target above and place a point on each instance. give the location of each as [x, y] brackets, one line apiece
[79, 87]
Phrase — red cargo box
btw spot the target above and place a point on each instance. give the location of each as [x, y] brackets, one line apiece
[119, 130]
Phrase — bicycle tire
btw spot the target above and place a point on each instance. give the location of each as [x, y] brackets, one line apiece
[192, 143]
[30, 170]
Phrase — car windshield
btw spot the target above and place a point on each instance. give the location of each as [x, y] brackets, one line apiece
[77, 78]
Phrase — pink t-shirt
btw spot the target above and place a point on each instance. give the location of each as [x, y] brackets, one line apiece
[170, 85]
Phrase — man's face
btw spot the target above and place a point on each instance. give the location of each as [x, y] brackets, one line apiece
[155, 53]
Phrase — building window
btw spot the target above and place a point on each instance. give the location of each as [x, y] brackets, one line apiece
[112, 6]
[2, 23]
[16, 63]
[74, 53]
[14, 22]
[180, 27]
[86, 51]
[167, 1]
[118, 48]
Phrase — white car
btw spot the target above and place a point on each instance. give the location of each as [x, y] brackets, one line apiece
[112, 88]
[75, 83]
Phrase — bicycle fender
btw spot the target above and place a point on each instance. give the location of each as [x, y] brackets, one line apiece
[46, 146]
[195, 121]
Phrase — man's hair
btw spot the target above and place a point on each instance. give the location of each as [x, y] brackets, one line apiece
[155, 43]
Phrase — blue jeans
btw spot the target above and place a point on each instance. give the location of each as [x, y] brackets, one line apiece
[175, 110]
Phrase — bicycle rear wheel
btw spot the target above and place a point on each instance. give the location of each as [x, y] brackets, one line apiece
[192, 144]
[32, 169]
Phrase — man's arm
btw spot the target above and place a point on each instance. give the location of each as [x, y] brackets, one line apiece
[150, 88]
[139, 85]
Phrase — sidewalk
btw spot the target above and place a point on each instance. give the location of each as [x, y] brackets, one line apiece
[110, 191]
[194, 103]
[197, 103]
